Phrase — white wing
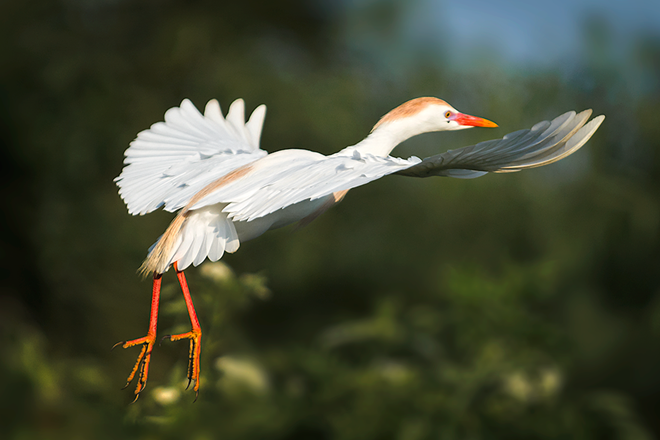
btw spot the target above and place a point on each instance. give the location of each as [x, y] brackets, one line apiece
[543, 144]
[292, 176]
[173, 160]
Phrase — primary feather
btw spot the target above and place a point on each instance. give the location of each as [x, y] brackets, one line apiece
[543, 144]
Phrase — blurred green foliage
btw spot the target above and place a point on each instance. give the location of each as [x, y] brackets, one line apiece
[515, 306]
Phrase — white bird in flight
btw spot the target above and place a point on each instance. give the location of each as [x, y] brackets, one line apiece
[227, 190]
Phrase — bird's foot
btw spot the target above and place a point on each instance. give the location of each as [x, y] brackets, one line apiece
[194, 353]
[141, 367]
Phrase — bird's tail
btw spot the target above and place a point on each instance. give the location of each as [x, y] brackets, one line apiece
[158, 259]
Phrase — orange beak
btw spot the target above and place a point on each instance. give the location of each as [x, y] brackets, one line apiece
[472, 121]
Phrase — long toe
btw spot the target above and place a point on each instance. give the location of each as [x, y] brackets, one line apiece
[194, 355]
[141, 368]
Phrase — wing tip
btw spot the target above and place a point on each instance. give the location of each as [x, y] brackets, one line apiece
[212, 108]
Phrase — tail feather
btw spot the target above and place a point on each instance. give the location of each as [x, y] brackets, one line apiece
[159, 258]
[192, 237]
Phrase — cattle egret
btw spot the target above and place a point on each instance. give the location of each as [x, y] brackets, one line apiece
[227, 190]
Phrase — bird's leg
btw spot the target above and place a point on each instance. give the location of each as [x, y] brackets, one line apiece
[195, 334]
[141, 367]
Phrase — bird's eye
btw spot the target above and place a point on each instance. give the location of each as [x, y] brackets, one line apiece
[447, 114]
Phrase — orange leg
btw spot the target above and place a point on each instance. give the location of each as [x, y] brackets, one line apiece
[141, 367]
[195, 335]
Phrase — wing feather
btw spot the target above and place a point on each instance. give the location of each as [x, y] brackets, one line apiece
[173, 160]
[543, 144]
[292, 176]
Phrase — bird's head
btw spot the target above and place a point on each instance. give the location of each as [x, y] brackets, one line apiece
[422, 115]
[417, 116]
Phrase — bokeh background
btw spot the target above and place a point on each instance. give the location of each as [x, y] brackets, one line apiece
[509, 306]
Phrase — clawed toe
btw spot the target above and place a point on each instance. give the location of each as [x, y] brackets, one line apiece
[194, 353]
[141, 368]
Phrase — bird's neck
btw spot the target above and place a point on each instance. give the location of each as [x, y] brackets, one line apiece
[386, 137]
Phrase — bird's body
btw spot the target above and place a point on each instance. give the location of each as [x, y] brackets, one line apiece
[227, 190]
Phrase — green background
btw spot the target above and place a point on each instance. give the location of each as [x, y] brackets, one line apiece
[509, 306]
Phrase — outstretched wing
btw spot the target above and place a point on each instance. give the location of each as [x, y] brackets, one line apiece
[173, 160]
[543, 144]
[292, 176]
[288, 177]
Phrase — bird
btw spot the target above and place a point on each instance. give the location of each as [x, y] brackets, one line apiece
[225, 189]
